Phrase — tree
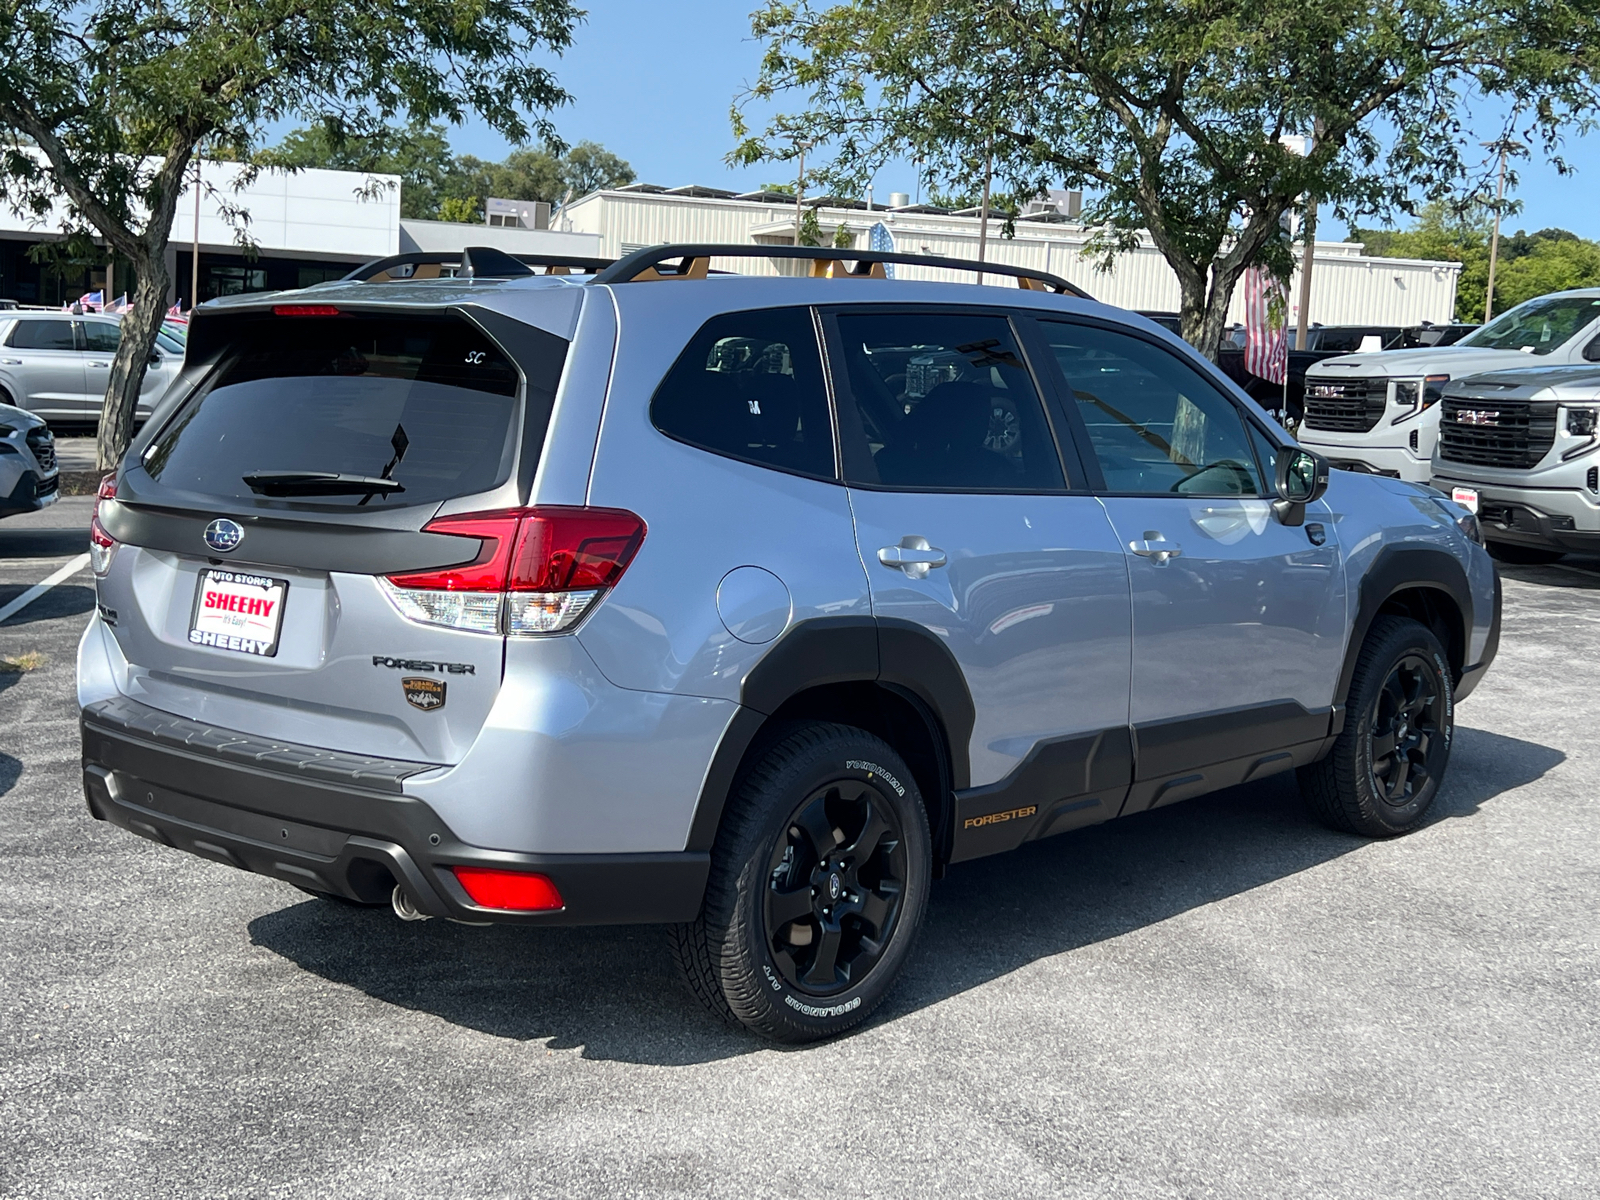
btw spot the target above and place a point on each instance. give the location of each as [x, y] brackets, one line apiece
[107, 102]
[1531, 264]
[1173, 114]
[418, 152]
[540, 174]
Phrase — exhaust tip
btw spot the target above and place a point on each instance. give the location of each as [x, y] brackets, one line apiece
[404, 907]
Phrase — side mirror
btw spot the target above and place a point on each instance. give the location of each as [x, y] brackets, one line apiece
[155, 358]
[1302, 478]
[1591, 352]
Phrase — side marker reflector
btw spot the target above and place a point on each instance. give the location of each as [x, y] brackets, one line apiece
[513, 891]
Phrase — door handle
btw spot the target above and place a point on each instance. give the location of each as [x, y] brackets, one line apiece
[1156, 547]
[99, 364]
[913, 556]
[10, 362]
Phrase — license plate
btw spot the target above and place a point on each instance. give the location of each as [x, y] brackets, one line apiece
[238, 612]
[1466, 497]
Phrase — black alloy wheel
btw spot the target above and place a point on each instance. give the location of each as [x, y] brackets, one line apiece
[1385, 768]
[819, 877]
[835, 883]
[1407, 738]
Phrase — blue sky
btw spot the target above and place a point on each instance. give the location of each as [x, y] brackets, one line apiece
[652, 82]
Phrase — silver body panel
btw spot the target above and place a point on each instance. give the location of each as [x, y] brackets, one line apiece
[1248, 613]
[70, 385]
[1033, 605]
[601, 740]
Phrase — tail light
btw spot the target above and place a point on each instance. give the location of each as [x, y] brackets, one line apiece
[537, 570]
[517, 891]
[102, 546]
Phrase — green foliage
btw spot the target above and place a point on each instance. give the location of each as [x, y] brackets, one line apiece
[1530, 264]
[843, 239]
[463, 210]
[418, 152]
[810, 228]
[433, 182]
[106, 102]
[1169, 115]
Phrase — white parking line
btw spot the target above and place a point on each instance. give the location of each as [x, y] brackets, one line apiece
[39, 589]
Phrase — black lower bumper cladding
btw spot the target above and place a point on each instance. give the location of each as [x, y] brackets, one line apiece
[340, 823]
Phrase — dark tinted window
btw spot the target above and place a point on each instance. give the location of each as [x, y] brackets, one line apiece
[102, 337]
[750, 386]
[42, 335]
[1155, 423]
[944, 402]
[430, 403]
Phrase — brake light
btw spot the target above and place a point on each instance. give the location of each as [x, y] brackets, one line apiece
[102, 546]
[537, 570]
[518, 891]
[304, 310]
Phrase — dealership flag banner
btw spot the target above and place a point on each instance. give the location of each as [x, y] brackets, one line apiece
[1266, 348]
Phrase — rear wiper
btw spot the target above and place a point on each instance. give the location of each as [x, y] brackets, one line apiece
[318, 483]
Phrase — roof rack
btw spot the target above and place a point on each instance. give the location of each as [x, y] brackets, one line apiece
[475, 262]
[694, 262]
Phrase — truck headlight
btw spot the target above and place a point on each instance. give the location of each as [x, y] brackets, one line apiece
[1582, 422]
[1406, 392]
[1433, 389]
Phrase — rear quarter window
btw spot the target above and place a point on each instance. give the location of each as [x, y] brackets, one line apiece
[42, 335]
[429, 403]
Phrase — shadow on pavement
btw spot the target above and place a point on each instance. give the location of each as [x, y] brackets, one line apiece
[64, 600]
[614, 991]
[10, 768]
[43, 543]
[1572, 572]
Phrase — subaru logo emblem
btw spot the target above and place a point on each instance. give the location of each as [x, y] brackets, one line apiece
[223, 535]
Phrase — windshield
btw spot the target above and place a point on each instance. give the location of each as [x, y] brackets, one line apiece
[424, 406]
[1538, 326]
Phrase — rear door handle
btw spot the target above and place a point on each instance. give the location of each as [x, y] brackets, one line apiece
[10, 362]
[1156, 547]
[98, 364]
[913, 555]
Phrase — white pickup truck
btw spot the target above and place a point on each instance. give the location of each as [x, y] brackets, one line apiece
[1379, 412]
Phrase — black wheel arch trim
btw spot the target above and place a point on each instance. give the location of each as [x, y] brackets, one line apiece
[900, 656]
[1398, 569]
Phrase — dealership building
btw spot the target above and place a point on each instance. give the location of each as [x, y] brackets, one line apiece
[313, 225]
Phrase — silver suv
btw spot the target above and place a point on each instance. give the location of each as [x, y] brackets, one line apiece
[745, 605]
[29, 477]
[59, 365]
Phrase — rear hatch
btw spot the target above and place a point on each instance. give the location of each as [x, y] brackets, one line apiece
[253, 535]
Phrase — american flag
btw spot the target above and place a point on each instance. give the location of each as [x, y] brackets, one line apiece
[1266, 349]
[91, 301]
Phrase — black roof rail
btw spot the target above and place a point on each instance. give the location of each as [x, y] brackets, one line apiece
[694, 262]
[554, 264]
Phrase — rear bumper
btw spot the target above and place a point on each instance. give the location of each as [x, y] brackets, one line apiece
[340, 823]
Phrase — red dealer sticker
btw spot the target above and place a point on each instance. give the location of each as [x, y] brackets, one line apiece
[237, 612]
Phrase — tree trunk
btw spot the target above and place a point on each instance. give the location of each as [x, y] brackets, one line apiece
[133, 358]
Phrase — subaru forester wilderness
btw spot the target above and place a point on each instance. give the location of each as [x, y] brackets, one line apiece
[744, 605]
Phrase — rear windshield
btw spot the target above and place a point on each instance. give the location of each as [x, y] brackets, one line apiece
[405, 410]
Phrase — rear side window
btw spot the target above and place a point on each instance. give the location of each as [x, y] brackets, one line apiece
[425, 406]
[749, 386]
[102, 337]
[42, 335]
[943, 402]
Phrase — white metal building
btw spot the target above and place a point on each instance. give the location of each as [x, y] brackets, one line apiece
[1348, 287]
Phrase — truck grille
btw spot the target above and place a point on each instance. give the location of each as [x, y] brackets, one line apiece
[1346, 406]
[43, 444]
[1496, 433]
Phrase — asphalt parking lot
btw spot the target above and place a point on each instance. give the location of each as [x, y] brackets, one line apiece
[1216, 999]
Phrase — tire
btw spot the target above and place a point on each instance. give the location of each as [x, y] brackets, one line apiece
[1520, 555]
[788, 944]
[1399, 724]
